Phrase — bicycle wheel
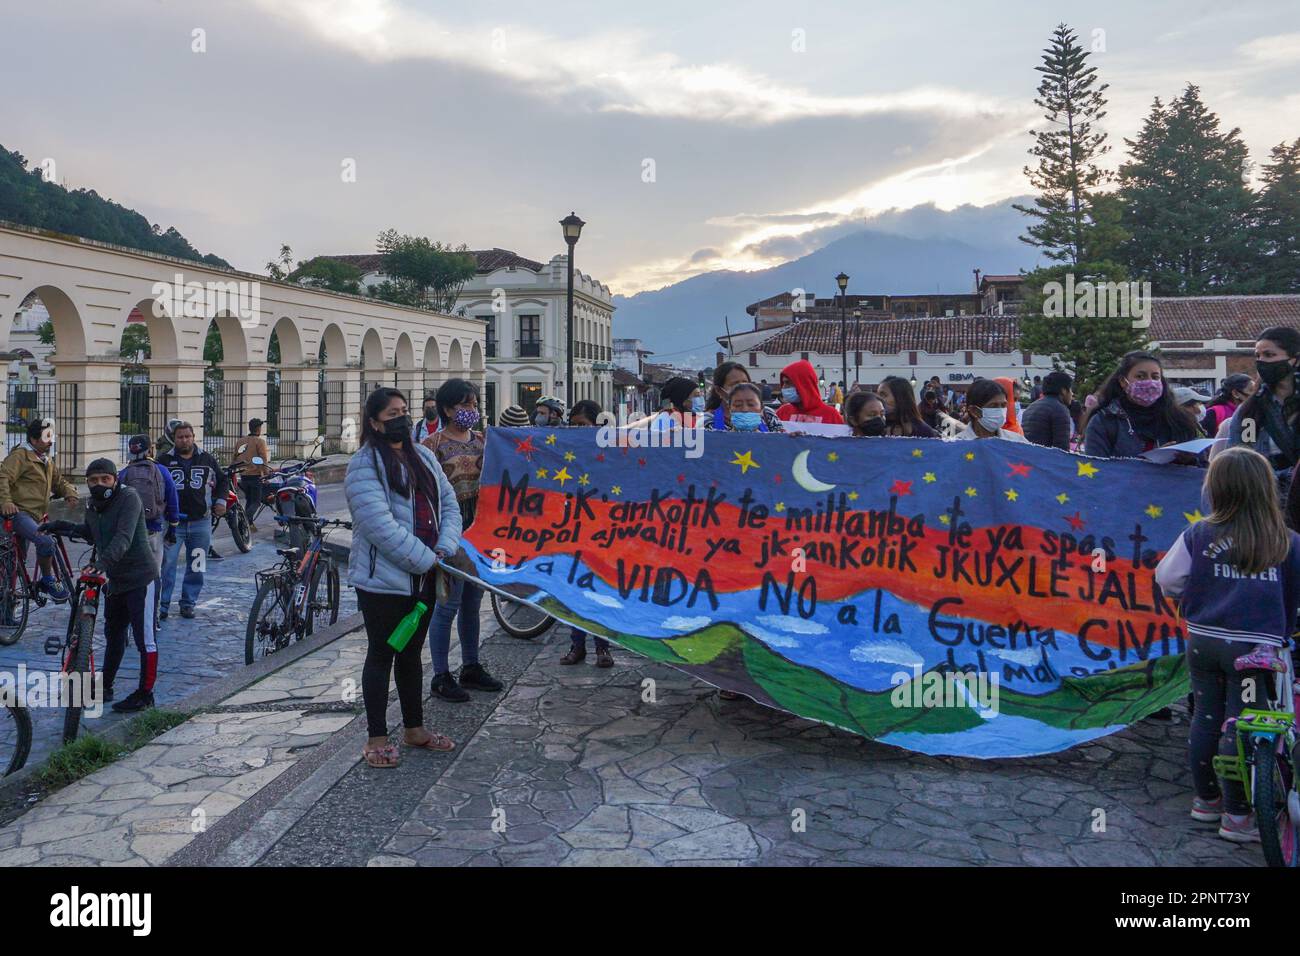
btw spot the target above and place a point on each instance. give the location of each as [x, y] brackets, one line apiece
[238, 522]
[323, 598]
[13, 599]
[77, 662]
[520, 619]
[270, 623]
[15, 738]
[1273, 790]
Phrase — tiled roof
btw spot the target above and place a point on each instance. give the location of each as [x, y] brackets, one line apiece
[988, 333]
[623, 377]
[486, 260]
[1241, 317]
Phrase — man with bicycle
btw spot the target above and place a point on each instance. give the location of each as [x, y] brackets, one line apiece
[199, 481]
[28, 478]
[115, 525]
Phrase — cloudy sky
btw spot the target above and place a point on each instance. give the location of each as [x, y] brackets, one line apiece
[690, 136]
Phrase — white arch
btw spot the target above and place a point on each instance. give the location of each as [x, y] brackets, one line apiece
[372, 350]
[404, 354]
[290, 338]
[335, 345]
[234, 343]
[66, 317]
[476, 357]
[455, 357]
[432, 354]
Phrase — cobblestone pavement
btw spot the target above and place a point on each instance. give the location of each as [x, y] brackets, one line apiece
[190, 653]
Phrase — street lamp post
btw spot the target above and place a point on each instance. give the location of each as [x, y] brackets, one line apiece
[572, 227]
[857, 347]
[843, 282]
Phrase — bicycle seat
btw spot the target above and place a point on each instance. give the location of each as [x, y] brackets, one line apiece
[287, 552]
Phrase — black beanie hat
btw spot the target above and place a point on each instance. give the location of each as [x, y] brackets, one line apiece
[101, 466]
[678, 391]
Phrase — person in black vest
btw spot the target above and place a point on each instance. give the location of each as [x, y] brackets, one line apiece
[200, 481]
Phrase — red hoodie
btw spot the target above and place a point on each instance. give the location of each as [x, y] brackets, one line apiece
[811, 408]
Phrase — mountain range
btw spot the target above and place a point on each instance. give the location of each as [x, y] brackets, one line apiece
[917, 250]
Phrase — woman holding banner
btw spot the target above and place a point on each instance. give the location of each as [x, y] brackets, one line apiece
[1136, 412]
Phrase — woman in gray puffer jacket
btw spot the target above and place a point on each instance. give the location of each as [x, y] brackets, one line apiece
[404, 520]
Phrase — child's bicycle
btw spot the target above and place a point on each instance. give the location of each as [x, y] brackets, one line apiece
[20, 584]
[1265, 764]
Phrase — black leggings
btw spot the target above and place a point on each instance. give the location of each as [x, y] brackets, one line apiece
[1219, 693]
[382, 613]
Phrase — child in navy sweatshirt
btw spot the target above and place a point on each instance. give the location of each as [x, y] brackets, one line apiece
[1237, 573]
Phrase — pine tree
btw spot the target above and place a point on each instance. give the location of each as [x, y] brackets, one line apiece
[1067, 174]
[1277, 220]
[1187, 208]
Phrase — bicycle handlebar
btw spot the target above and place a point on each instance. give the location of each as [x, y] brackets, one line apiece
[320, 522]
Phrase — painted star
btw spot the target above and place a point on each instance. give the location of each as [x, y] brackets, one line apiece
[569, 456]
[681, 479]
[601, 456]
[833, 456]
[1193, 516]
[901, 488]
[1076, 521]
[1019, 470]
[1087, 469]
[1154, 511]
[641, 462]
[562, 476]
[542, 473]
[853, 496]
[1011, 494]
[929, 477]
[917, 453]
[970, 456]
[616, 490]
[1062, 497]
[971, 492]
[550, 439]
[584, 480]
[780, 506]
[525, 447]
[944, 519]
[745, 461]
[776, 479]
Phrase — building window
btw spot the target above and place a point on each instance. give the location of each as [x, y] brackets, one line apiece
[527, 394]
[804, 356]
[490, 335]
[530, 336]
[753, 360]
[490, 402]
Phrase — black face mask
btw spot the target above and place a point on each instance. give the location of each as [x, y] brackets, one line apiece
[872, 427]
[99, 496]
[1271, 373]
[398, 429]
[431, 414]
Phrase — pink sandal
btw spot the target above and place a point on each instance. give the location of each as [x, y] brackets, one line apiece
[438, 743]
[381, 758]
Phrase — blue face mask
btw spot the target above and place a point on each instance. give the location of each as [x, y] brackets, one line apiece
[746, 421]
[791, 395]
[697, 404]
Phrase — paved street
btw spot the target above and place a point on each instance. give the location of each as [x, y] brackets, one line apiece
[190, 653]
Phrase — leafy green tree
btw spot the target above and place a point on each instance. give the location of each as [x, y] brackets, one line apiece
[281, 266]
[329, 274]
[1066, 176]
[1277, 221]
[213, 353]
[422, 273]
[135, 342]
[1187, 208]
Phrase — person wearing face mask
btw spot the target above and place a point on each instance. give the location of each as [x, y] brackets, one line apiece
[405, 519]
[458, 445]
[745, 412]
[428, 423]
[986, 413]
[865, 414]
[682, 405]
[725, 377]
[115, 524]
[1136, 412]
[549, 412]
[802, 399]
[1269, 420]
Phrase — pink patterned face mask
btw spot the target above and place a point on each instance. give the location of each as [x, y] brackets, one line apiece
[1146, 391]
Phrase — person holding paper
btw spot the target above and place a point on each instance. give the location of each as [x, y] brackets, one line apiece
[1136, 412]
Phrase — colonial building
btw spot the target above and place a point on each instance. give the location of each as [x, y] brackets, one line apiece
[523, 303]
[1203, 339]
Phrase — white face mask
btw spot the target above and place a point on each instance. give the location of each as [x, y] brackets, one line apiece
[993, 419]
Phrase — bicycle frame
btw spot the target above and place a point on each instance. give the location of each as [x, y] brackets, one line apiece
[62, 566]
[1278, 727]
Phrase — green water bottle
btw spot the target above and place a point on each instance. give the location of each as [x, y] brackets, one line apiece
[401, 635]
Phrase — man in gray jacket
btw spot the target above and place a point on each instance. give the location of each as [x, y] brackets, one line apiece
[115, 525]
[1047, 420]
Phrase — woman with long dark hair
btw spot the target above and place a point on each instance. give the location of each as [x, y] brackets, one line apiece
[404, 520]
[1232, 394]
[1136, 411]
[459, 449]
[902, 417]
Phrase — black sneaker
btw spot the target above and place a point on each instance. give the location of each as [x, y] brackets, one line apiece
[187, 612]
[445, 686]
[213, 556]
[162, 615]
[108, 696]
[136, 700]
[476, 677]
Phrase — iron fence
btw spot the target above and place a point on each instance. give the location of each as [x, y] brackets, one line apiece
[330, 409]
[144, 407]
[282, 435]
[223, 415]
[60, 401]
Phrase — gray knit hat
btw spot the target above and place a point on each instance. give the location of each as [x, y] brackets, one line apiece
[513, 417]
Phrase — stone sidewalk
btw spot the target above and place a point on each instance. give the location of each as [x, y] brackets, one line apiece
[637, 765]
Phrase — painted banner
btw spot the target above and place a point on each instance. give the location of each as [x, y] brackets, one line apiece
[975, 598]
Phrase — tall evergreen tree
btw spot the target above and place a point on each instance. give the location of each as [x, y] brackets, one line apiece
[1277, 220]
[1187, 208]
[1067, 175]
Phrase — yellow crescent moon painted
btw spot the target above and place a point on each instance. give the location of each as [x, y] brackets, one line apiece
[804, 477]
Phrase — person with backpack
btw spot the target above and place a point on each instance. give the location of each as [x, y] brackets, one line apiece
[199, 481]
[157, 491]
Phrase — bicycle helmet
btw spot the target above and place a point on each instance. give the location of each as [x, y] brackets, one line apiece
[169, 430]
[550, 401]
[138, 447]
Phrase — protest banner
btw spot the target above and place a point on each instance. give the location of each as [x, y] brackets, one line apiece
[976, 598]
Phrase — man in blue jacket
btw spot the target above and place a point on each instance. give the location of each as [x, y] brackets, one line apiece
[157, 494]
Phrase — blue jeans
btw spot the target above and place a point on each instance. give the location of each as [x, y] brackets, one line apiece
[465, 599]
[192, 538]
[579, 639]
